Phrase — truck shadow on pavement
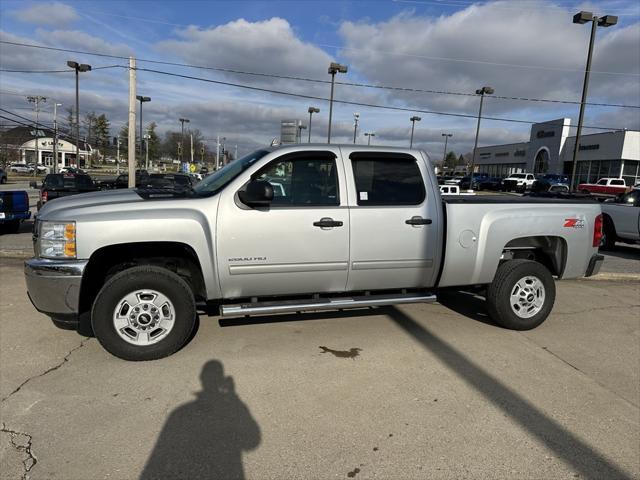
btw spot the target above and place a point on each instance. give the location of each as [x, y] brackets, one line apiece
[567, 446]
[206, 437]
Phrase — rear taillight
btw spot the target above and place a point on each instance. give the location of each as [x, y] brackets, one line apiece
[45, 196]
[597, 231]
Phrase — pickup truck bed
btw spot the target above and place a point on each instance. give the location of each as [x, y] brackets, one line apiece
[347, 226]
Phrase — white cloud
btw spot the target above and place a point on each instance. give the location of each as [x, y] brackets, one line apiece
[50, 13]
[527, 53]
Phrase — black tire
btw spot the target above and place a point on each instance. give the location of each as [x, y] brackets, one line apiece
[3, 180]
[504, 282]
[608, 241]
[143, 277]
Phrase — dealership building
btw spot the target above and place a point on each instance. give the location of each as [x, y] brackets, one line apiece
[550, 150]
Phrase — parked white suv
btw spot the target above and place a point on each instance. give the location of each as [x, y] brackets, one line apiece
[518, 182]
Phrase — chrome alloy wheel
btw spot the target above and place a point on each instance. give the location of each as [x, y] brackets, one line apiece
[527, 297]
[143, 317]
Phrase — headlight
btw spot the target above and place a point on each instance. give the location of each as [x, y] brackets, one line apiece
[58, 240]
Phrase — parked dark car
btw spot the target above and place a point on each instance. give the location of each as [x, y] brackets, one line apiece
[553, 178]
[14, 208]
[57, 185]
[490, 183]
[3, 176]
[167, 180]
[123, 180]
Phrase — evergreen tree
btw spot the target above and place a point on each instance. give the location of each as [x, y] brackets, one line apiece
[101, 131]
[450, 160]
[154, 141]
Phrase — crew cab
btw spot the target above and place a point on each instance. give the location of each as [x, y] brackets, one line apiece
[605, 187]
[56, 185]
[621, 218]
[518, 182]
[353, 226]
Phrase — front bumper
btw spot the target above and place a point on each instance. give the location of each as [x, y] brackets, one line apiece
[594, 265]
[54, 285]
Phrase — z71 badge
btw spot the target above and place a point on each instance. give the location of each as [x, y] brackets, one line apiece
[574, 223]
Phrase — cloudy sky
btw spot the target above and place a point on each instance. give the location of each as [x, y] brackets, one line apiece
[528, 49]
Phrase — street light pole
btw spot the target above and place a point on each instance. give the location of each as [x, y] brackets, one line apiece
[444, 155]
[78, 67]
[141, 99]
[356, 117]
[413, 120]
[300, 128]
[482, 91]
[333, 69]
[369, 135]
[36, 101]
[311, 111]
[605, 21]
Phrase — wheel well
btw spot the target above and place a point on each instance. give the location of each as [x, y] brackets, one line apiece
[107, 261]
[548, 250]
[608, 222]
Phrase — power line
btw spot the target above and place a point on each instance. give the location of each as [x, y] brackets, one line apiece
[463, 60]
[347, 102]
[313, 80]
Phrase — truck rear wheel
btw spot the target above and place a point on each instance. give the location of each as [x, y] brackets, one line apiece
[521, 295]
[143, 313]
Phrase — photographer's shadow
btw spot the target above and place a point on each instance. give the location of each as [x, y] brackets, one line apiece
[205, 438]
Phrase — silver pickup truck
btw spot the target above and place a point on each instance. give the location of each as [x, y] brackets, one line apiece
[298, 228]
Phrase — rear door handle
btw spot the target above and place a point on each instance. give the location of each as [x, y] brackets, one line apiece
[418, 221]
[327, 222]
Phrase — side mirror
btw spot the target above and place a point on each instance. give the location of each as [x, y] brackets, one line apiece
[258, 193]
[33, 184]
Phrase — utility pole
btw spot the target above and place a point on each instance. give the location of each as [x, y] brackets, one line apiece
[36, 101]
[55, 136]
[217, 152]
[235, 156]
[132, 123]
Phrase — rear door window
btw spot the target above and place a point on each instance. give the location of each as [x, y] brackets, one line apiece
[387, 180]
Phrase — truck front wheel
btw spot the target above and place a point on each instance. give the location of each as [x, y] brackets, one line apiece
[521, 295]
[143, 313]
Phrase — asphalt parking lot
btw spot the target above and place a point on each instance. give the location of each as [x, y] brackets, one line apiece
[421, 391]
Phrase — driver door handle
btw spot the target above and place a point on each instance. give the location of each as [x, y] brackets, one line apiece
[418, 221]
[327, 223]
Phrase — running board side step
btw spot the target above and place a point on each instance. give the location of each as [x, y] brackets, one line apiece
[337, 303]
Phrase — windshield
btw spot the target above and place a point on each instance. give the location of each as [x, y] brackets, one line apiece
[518, 175]
[218, 180]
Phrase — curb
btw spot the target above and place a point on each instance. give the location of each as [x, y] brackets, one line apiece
[613, 277]
[16, 254]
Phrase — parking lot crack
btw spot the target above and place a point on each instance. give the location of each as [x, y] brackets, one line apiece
[49, 370]
[22, 442]
[589, 310]
[546, 349]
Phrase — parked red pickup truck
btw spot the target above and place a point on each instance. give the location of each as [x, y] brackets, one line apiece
[605, 187]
